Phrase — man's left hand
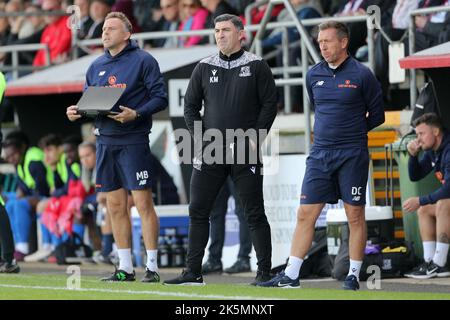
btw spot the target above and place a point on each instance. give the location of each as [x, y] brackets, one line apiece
[126, 115]
[411, 204]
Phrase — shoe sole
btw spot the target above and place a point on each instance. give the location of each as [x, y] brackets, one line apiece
[424, 277]
[15, 270]
[194, 284]
[443, 274]
[147, 281]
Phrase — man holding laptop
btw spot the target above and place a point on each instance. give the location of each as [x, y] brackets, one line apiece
[123, 151]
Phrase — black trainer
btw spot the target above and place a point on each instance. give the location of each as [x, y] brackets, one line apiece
[187, 278]
[9, 267]
[241, 265]
[120, 275]
[281, 280]
[261, 276]
[151, 276]
[210, 267]
[351, 283]
[428, 270]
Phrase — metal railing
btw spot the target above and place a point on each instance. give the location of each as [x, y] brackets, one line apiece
[16, 49]
[412, 41]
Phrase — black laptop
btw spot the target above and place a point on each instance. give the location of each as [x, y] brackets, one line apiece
[99, 100]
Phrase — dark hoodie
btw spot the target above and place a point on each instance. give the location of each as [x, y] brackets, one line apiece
[139, 73]
[439, 161]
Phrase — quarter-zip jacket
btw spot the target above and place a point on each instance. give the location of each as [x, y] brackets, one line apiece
[139, 73]
[341, 98]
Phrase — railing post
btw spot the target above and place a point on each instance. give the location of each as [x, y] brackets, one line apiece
[370, 46]
[306, 104]
[262, 28]
[303, 33]
[412, 72]
[15, 64]
[286, 87]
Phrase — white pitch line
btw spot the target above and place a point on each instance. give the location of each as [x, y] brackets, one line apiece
[158, 293]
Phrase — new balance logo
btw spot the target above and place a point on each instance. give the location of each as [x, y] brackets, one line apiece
[142, 182]
[356, 198]
[101, 73]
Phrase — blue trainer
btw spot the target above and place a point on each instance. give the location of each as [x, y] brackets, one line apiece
[351, 283]
[281, 281]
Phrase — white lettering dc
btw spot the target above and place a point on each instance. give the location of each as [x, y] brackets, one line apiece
[356, 191]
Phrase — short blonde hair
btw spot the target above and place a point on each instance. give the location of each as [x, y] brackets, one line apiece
[119, 15]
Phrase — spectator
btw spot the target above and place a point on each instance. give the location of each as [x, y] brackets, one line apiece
[61, 172]
[98, 11]
[432, 209]
[37, 24]
[85, 18]
[126, 7]
[216, 8]
[32, 186]
[171, 21]
[358, 30]
[56, 35]
[195, 19]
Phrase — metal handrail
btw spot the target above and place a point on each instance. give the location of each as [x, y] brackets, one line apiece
[412, 39]
[248, 16]
[15, 49]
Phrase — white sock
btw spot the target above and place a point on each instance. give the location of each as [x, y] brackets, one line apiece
[125, 263]
[47, 246]
[152, 260]
[293, 267]
[440, 257]
[429, 249]
[355, 268]
[22, 247]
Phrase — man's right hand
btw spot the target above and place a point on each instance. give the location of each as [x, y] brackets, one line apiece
[413, 147]
[72, 113]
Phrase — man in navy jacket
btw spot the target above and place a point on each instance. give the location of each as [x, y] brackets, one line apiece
[432, 209]
[123, 151]
[348, 103]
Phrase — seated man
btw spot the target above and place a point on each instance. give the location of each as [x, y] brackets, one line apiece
[32, 186]
[433, 210]
[62, 167]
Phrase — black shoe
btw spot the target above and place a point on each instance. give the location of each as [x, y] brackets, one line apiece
[120, 275]
[281, 281]
[187, 278]
[241, 265]
[428, 270]
[351, 283]
[261, 276]
[9, 267]
[212, 267]
[151, 276]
